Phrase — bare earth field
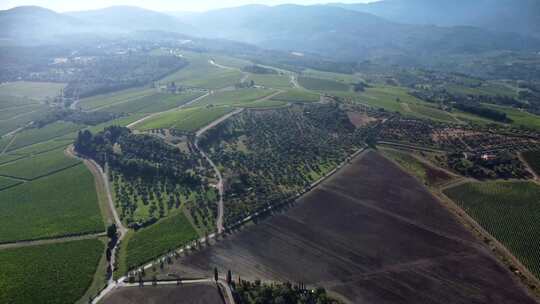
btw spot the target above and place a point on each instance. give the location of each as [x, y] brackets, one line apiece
[184, 294]
[370, 234]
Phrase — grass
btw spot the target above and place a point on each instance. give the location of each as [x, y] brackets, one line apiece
[36, 135]
[54, 273]
[39, 165]
[201, 74]
[492, 89]
[297, 96]
[7, 182]
[189, 119]
[397, 99]
[106, 100]
[273, 81]
[149, 243]
[347, 78]
[533, 159]
[519, 117]
[319, 84]
[61, 204]
[31, 90]
[22, 119]
[158, 102]
[426, 174]
[237, 98]
[14, 112]
[7, 102]
[42, 147]
[510, 211]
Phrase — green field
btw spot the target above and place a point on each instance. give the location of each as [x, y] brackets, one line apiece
[7, 182]
[42, 147]
[237, 98]
[510, 211]
[13, 113]
[533, 159]
[31, 90]
[519, 117]
[271, 81]
[297, 96]
[64, 203]
[397, 99]
[189, 119]
[319, 84]
[39, 165]
[36, 135]
[428, 175]
[201, 74]
[102, 101]
[158, 102]
[492, 89]
[346, 78]
[149, 243]
[55, 273]
[7, 158]
[7, 102]
[23, 119]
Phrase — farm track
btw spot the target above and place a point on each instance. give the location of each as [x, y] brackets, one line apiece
[20, 244]
[135, 123]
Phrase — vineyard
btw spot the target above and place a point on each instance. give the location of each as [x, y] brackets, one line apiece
[510, 211]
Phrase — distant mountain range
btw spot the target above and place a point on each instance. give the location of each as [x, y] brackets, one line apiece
[519, 16]
[337, 31]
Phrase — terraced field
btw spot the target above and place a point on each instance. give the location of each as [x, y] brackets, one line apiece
[55, 273]
[149, 243]
[510, 211]
[64, 203]
[369, 234]
[39, 165]
[189, 119]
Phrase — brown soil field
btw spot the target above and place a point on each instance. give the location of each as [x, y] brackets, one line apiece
[369, 234]
[184, 294]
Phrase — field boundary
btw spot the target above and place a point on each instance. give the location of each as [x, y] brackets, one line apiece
[68, 236]
[43, 175]
[37, 242]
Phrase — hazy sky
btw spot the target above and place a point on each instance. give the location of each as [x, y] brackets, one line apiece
[159, 5]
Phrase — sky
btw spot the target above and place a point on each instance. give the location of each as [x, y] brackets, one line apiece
[158, 5]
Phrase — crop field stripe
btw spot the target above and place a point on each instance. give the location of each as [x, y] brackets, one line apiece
[509, 211]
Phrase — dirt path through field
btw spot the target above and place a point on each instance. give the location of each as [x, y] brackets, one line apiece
[133, 124]
[528, 167]
[51, 241]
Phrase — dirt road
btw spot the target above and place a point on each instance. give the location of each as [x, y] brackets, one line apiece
[133, 124]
